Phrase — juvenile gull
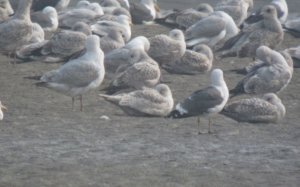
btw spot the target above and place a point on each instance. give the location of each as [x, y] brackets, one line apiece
[5, 10]
[167, 49]
[2, 107]
[269, 109]
[207, 101]
[144, 11]
[267, 32]
[59, 47]
[156, 101]
[47, 18]
[143, 73]
[80, 75]
[112, 40]
[194, 61]
[281, 8]
[273, 75]
[16, 31]
[211, 30]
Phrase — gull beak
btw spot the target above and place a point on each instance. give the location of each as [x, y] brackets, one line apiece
[3, 107]
[157, 8]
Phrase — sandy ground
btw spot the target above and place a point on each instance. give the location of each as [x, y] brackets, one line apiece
[44, 143]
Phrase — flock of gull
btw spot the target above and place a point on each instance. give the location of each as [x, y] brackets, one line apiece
[93, 41]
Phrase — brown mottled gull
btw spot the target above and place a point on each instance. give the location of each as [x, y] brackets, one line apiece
[273, 75]
[167, 49]
[156, 101]
[267, 32]
[144, 73]
[207, 101]
[143, 11]
[47, 19]
[79, 75]
[17, 31]
[269, 109]
[2, 107]
[194, 61]
[113, 40]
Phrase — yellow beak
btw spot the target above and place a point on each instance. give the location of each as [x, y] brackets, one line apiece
[3, 107]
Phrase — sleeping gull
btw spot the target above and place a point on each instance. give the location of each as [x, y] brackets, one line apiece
[112, 40]
[269, 109]
[79, 75]
[281, 8]
[207, 101]
[16, 31]
[194, 61]
[60, 46]
[143, 11]
[167, 49]
[271, 76]
[266, 32]
[211, 30]
[47, 19]
[123, 56]
[5, 10]
[4, 108]
[145, 72]
[237, 9]
[156, 101]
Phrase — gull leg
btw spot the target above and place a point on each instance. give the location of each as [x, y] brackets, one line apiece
[209, 124]
[73, 100]
[81, 105]
[198, 121]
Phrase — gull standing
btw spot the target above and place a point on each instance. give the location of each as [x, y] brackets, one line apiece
[207, 101]
[78, 76]
[269, 109]
[156, 101]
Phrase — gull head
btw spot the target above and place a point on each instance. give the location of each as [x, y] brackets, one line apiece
[92, 42]
[204, 49]
[164, 90]
[82, 27]
[216, 77]
[50, 11]
[177, 34]
[83, 4]
[269, 11]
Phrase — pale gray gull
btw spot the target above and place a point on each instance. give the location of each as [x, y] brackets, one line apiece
[80, 75]
[271, 76]
[198, 60]
[5, 10]
[2, 107]
[167, 48]
[47, 19]
[295, 54]
[144, 11]
[156, 101]
[204, 102]
[211, 30]
[267, 32]
[292, 26]
[268, 109]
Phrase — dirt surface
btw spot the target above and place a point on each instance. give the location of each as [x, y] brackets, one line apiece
[44, 143]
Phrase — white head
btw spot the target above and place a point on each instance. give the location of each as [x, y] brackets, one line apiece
[216, 77]
[263, 53]
[96, 7]
[7, 7]
[164, 90]
[50, 11]
[83, 4]
[204, 49]
[1, 112]
[140, 42]
[92, 43]
[124, 20]
[177, 34]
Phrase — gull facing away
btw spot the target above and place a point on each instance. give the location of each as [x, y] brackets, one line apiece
[211, 30]
[80, 75]
[204, 102]
[268, 109]
[198, 60]
[271, 76]
[156, 101]
[2, 107]
[5, 10]
[17, 31]
[47, 19]
[144, 11]
[267, 32]
[167, 49]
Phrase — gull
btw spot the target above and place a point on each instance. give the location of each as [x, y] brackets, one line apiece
[113, 15]
[194, 61]
[59, 5]
[144, 11]
[112, 40]
[281, 8]
[293, 27]
[204, 102]
[143, 73]
[211, 30]
[47, 19]
[5, 10]
[273, 75]
[156, 101]
[2, 107]
[167, 49]
[295, 54]
[60, 46]
[267, 32]
[79, 75]
[17, 31]
[126, 55]
[268, 109]
[237, 9]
